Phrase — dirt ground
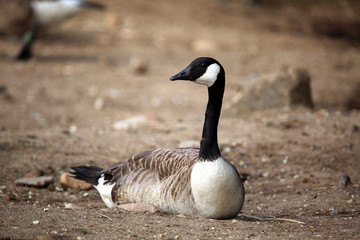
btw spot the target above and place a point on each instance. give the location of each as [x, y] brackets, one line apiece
[58, 110]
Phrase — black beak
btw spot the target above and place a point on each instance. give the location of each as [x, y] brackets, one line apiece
[183, 75]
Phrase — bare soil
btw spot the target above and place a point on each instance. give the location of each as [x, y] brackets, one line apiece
[58, 109]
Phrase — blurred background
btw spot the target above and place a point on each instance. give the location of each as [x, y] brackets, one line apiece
[96, 90]
[248, 37]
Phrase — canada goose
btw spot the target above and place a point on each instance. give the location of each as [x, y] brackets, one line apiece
[189, 181]
[47, 13]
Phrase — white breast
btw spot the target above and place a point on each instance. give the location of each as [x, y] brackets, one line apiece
[217, 189]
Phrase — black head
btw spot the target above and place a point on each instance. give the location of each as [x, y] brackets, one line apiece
[203, 70]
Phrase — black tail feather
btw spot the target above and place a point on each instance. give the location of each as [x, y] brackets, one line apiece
[88, 174]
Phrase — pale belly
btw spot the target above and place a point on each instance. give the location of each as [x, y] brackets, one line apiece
[217, 189]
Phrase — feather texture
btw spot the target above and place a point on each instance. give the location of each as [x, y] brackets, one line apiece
[160, 177]
[188, 181]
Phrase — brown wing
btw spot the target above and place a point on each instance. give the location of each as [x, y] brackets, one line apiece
[165, 162]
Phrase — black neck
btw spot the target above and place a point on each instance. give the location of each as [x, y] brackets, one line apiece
[209, 148]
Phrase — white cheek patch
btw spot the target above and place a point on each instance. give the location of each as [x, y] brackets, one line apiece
[210, 76]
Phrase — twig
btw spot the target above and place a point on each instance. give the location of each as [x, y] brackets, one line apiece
[323, 187]
[253, 218]
[104, 216]
[283, 219]
[249, 218]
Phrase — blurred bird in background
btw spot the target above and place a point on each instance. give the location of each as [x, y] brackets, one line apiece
[27, 16]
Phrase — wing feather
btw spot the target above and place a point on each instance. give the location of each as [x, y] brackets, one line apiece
[161, 173]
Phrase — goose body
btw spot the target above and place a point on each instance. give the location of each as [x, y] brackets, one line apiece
[189, 181]
[49, 12]
[46, 13]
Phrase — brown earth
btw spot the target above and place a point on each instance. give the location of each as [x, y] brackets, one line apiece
[57, 111]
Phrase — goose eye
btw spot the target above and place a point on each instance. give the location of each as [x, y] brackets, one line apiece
[203, 65]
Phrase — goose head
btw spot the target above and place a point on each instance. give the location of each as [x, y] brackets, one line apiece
[203, 70]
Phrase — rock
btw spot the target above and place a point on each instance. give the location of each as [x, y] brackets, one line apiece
[344, 181]
[39, 182]
[290, 87]
[72, 206]
[99, 103]
[67, 181]
[139, 207]
[353, 100]
[71, 130]
[354, 128]
[138, 65]
[34, 173]
[9, 197]
[5, 94]
[132, 122]
[336, 212]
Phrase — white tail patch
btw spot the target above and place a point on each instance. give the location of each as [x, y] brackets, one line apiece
[105, 191]
[210, 76]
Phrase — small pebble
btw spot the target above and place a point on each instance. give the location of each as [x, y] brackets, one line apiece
[71, 130]
[345, 180]
[138, 65]
[35, 222]
[131, 122]
[354, 128]
[99, 103]
[72, 206]
[4, 93]
[9, 197]
[334, 212]
[227, 150]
